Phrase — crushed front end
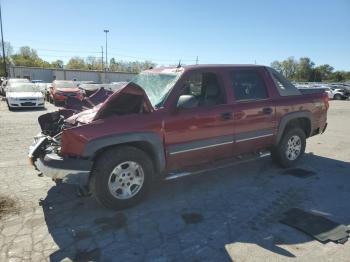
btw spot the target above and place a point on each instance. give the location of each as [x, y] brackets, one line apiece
[45, 151]
[58, 151]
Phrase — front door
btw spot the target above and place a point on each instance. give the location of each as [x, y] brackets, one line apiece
[204, 132]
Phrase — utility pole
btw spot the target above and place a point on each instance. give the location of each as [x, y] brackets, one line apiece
[102, 57]
[3, 45]
[197, 60]
[106, 31]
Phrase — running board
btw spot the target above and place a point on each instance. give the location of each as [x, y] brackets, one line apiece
[238, 160]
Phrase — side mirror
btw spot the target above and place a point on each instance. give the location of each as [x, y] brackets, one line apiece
[187, 101]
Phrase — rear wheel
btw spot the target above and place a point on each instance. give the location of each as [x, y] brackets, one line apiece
[121, 177]
[290, 148]
[337, 97]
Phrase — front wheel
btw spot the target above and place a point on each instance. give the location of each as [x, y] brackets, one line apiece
[121, 177]
[290, 148]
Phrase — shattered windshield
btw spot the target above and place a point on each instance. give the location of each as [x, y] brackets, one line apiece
[157, 84]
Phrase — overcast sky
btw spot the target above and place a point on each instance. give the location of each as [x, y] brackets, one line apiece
[165, 31]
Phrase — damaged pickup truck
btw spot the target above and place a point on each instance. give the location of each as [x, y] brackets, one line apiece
[171, 122]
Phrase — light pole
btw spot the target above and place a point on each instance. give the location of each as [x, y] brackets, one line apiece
[3, 46]
[106, 31]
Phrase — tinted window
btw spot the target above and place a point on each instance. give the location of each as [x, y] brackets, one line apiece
[247, 85]
[205, 87]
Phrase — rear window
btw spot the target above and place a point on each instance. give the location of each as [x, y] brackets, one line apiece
[248, 85]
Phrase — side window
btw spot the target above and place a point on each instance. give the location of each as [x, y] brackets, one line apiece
[248, 85]
[205, 87]
[278, 83]
[284, 87]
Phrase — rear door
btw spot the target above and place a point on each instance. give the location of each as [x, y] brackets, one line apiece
[254, 109]
[204, 133]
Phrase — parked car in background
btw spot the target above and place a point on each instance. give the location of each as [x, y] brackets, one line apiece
[171, 122]
[8, 82]
[19, 95]
[62, 89]
[336, 93]
[47, 93]
[89, 89]
[42, 87]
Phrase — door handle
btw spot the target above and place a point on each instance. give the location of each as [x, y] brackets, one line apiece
[267, 110]
[227, 116]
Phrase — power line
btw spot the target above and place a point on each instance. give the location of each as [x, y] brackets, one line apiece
[115, 55]
[61, 51]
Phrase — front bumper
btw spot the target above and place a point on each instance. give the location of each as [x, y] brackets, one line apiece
[67, 169]
[20, 104]
[64, 97]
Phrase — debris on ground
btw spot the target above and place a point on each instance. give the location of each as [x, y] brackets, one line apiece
[317, 226]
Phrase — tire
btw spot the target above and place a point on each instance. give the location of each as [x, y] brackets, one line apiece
[103, 182]
[285, 158]
[337, 97]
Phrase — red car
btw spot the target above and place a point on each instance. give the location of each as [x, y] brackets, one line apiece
[62, 89]
[171, 122]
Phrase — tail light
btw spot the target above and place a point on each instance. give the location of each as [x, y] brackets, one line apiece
[326, 100]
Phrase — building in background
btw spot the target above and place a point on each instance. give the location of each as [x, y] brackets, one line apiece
[48, 75]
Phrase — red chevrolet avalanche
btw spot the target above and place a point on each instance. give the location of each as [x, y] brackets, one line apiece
[171, 122]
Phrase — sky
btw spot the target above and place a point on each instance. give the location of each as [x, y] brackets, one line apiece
[164, 31]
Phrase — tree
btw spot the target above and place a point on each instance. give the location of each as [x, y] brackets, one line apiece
[277, 66]
[76, 63]
[131, 67]
[325, 71]
[289, 67]
[304, 69]
[57, 64]
[28, 57]
[93, 63]
[8, 49]
[8, 52]
[338, 76]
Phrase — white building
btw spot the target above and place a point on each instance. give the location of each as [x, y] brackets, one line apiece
[48, 75]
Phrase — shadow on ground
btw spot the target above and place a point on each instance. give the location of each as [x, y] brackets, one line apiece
[28, 109]
[193, 218]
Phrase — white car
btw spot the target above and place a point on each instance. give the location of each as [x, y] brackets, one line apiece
[337, 94]
[20, 95]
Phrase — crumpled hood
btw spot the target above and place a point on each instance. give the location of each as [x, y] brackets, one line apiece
[83, 117]
[113, 102]
[37, 94]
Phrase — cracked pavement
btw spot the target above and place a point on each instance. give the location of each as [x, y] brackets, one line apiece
[223, 215]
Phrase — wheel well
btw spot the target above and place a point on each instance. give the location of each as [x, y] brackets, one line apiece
[142, 145]
[304, 123]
